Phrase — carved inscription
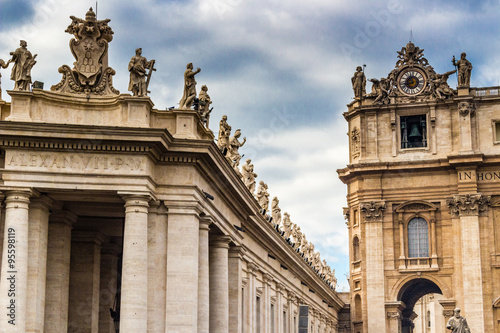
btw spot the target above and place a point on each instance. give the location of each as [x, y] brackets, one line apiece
[73, 162]
[487, 176]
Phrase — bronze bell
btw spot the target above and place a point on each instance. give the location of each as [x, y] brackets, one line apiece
[414, 132]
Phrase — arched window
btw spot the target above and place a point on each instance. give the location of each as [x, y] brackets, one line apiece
[418, 238]
[355, 249]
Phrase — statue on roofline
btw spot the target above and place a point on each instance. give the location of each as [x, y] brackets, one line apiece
[262, 196]
[224, 133]
[204, 105]
[276, 211]
[249, 176]
[139, 74]
[90, 74]
[2, 65]
[359, 83]
[287, 225]
[464, 68]
[23, 63]
[233, 155]
[189, 93]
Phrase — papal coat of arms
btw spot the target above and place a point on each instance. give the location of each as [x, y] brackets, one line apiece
[89, 47]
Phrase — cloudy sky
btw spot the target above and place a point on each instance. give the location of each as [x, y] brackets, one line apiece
[280, 70]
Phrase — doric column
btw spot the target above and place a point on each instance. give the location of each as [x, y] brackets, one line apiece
[182, 266]
[134, 301]
[37, 262]
[14, 272]
[58, 268]
[157, 266]
[467, 208]
[235, 288]
[252, 272]
[266, 306]
[108, 285]
[373, 213]
[204, 276]
[219, 280]
[394, 315]
[84, 283]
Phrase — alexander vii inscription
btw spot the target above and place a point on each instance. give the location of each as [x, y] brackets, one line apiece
[73, 162]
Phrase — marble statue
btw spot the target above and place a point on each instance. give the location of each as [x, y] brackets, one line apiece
[204, 108]
[380, 89]
[286, 225]
[439, 85]
[138, 68]
[263, 196]
[276, 211]
[303, 242]
[90, 74]
[359, 83]
[3, 65]
[189, 87]
[325, 268]
[457, 323]
[224, 132]
[296, 235]
[308, 251]
[23, 63]
[233, 155]
[464, 68]
[249, 176]
[316, 260]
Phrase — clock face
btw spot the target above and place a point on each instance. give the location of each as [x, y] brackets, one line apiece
[411, 81]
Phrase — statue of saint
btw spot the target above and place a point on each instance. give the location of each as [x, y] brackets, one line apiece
[276, 211]
[205, 102]
[23, 62]
[137, 67]
[189, 87]
[297, 235]
[233, 155]
[2, 65]
[457, 323]
[464, 70]
[224, 132]
[287, 225]
[263, 196]
[249, 176]
[359, 83]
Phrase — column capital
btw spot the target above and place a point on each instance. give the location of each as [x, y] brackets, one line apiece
[205, 221]
[280, 287]
[220, 241]
[157, 207]
[468, 204]
[252, 268]
[237, 251]
[267, 278]
[42, 201]
[18, 198]
[63, 216]
[373, 211]
[136, 203]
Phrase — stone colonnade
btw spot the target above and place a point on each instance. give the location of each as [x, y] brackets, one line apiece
[69, 278]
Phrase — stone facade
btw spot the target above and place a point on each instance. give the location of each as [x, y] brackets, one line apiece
[114, 214]
[423, 199]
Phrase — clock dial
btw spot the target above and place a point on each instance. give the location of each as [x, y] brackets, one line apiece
[412, 82]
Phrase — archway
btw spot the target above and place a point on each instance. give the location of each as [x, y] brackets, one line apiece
[409, 294]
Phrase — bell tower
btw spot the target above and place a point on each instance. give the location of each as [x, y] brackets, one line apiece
[420, 210]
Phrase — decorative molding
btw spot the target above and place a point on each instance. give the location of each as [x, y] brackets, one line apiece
[466, 108]
[468, 204]
[355, 143]
[373, 211]
[448, 313]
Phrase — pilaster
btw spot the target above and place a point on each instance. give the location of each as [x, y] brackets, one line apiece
[467, 208]
[373, 214]
[157, 266]
[58, 269]
[182, 266]
[37, 262]
[204, 276]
